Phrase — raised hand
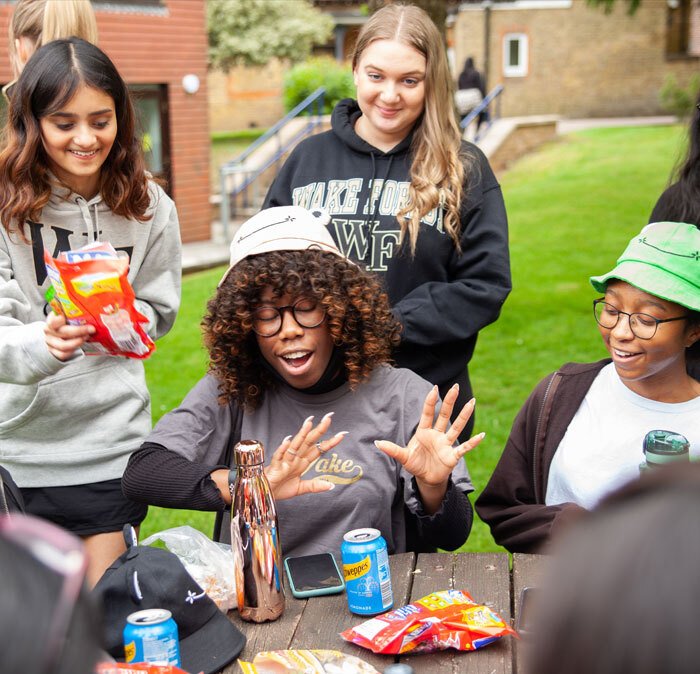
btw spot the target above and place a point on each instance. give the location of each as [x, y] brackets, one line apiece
[64, 340]
[293, 457]
[431, 454]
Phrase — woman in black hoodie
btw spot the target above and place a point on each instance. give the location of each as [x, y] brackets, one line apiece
[407, 198]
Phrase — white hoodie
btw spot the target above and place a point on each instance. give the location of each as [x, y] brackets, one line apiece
[76, 422]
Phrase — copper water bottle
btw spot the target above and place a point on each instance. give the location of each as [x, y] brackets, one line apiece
[255, 537]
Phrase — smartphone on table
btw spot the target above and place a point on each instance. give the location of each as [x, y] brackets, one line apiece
[313, 575]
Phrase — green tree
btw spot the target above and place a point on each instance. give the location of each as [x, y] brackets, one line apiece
[607, 5]
[251, 32]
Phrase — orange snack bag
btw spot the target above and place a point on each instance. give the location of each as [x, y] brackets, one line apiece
[136, 668]
[441, 620]
[91, 287]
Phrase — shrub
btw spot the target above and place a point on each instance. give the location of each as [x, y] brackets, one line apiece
[679, 100]
[304, 78]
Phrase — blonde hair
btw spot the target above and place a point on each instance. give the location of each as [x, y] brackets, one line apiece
[438, 167]
[45, 20]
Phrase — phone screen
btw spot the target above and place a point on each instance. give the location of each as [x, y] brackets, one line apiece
[314, 572]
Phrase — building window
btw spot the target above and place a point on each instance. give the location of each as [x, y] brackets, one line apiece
[151, 104]
[515, 55]
[152, 7]
[682, 28]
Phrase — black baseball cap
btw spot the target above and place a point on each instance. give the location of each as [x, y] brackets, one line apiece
[145, 577]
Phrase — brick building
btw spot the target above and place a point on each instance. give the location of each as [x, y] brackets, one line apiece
[568, 58]
[155, 44]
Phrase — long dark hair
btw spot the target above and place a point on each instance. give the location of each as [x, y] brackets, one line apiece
[686, 203]
[47, 83]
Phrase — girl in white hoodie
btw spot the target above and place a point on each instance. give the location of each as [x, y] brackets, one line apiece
[72, 172]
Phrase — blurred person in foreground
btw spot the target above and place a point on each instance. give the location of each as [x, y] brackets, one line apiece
[622, 591]
[48, 621]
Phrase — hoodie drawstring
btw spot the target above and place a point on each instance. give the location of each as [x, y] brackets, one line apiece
[373, 216]
[91, 224]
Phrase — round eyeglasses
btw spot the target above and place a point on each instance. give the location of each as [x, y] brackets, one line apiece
[642, 325]
[307, 312]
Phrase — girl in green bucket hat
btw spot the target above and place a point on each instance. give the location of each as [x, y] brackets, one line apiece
[579, 435]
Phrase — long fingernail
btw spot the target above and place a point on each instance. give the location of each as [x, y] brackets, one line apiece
[481, 436]
[455, 385]
[326, 416]
[306, 421]
[376, 444]
[472, 401]
[287, 439]
[341, 434]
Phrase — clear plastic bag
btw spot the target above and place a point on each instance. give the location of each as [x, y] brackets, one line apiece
[208, 562]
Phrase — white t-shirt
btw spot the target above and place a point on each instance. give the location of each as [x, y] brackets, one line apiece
[602, 447]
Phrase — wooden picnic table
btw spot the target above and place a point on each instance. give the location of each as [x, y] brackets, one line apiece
[316, 622]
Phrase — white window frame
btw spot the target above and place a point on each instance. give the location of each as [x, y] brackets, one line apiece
[519, 70]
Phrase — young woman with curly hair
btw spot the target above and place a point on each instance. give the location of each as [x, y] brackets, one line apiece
[296, 331]
[408, 199]
[72, 173]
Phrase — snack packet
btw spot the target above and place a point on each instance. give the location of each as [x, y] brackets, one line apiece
[444, 619]
[136, 668]
[306, 662]
[90, 286]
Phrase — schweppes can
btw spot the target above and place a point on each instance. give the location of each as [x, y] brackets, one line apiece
[366, 571]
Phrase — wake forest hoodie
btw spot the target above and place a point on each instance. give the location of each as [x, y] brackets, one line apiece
[441, 297]
[76, 422]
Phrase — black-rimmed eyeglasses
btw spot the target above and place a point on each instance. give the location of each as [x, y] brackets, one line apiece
[642, 325]
[307, 312]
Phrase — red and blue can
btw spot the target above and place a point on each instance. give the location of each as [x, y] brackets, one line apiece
[366, 571]
[151, 636]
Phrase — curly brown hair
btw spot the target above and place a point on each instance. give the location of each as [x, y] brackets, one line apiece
[358, 317]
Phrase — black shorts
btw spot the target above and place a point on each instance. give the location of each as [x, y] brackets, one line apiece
[85, 509]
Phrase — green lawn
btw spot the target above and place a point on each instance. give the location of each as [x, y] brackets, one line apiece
[572, 207]
[225, 147]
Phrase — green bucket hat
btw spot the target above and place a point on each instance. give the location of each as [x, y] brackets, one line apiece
[662, 260]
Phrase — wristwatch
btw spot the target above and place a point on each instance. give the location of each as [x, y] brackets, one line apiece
[232, 474]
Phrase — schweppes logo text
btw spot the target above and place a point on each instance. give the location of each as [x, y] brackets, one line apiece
[358, 569]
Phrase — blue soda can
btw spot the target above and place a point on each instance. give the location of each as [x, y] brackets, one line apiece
[151, 636]
[366, 571]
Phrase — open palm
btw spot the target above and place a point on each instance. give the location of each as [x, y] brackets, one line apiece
[294, 456]
[431, 454]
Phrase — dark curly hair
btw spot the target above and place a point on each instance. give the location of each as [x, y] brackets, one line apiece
[358, 316]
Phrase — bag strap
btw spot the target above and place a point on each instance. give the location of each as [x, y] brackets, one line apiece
[10, 495]
[4, 508]
[541, 433]
[225, 514]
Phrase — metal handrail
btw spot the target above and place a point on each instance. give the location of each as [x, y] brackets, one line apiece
[473, 114]
[312, 105]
